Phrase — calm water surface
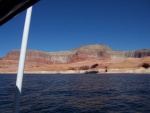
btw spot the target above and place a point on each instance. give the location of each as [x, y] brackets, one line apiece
[125, 93]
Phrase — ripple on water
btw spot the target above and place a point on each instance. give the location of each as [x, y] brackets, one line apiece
[78, 93]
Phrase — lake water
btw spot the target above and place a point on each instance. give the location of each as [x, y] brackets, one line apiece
[109, 93]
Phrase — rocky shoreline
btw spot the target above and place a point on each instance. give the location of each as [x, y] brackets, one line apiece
[100, 71]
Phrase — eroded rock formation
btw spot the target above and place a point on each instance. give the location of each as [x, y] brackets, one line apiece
[76, 55]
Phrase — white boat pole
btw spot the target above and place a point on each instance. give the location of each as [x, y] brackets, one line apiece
[22, 61]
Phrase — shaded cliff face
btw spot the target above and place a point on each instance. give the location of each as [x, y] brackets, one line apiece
[140, 53]
[77, 55]
[131, 54]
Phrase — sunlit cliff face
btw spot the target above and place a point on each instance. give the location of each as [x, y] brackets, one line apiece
[82, 56]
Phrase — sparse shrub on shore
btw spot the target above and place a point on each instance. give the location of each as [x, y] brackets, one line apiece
[145, 65]
[94, 66]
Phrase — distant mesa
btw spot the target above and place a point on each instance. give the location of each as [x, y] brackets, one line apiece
[82, 53]
[87, 59]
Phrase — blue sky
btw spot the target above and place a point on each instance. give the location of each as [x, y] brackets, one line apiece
[58, 25]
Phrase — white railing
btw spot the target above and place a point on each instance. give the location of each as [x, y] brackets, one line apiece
[22, 60]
